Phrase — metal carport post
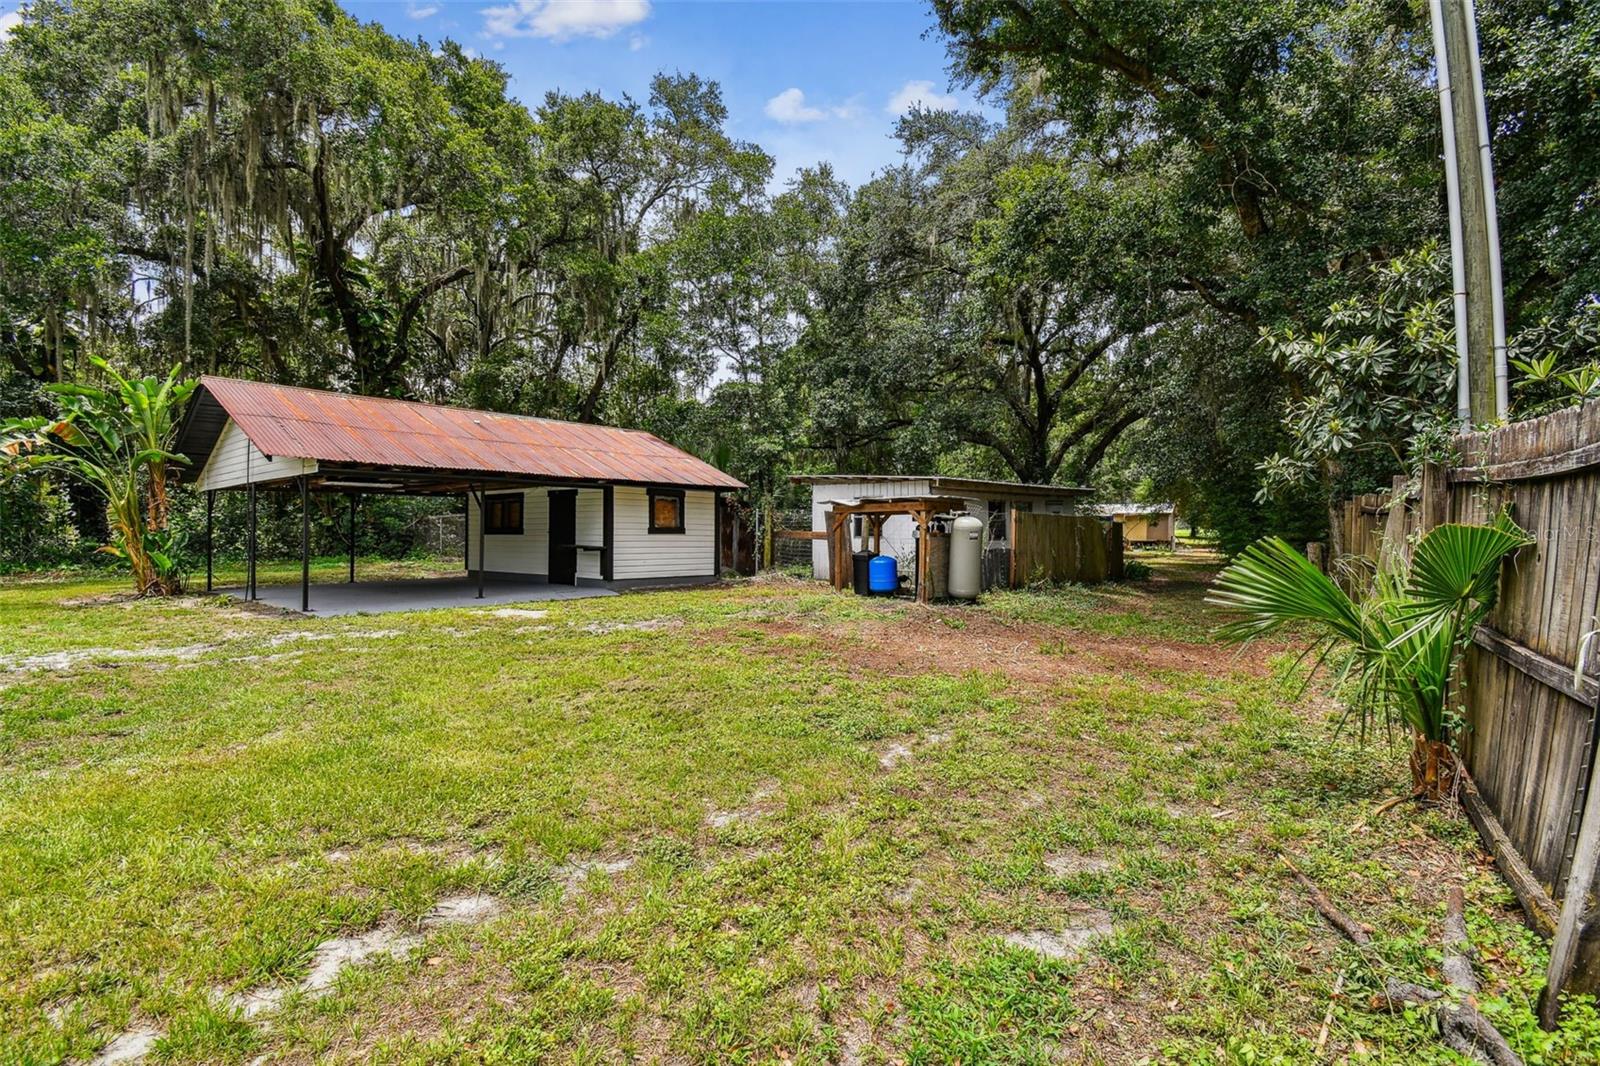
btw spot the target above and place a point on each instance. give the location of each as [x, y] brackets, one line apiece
[250, 546]
[305, 545]
[482, 522]
[211, 506]
[353, 496]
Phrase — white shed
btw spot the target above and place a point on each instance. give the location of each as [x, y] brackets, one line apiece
[990, 500]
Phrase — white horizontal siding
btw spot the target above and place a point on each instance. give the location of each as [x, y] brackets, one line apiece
[235, 461]
[897, 531]
[641, 554]
[637, 553]
[506, 553]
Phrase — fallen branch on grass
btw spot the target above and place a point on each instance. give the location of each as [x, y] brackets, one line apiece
[1381, 809]
[1462, 1027]
[1353, 930]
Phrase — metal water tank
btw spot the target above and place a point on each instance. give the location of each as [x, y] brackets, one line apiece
[881, 576]
[966, 558]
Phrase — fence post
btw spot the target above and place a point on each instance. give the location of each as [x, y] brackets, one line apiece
[1393, 551]
[1114, 556]
[1016, 548]
[1434, 509]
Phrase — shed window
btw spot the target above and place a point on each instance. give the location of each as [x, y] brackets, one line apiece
[503, 513]
[666, 511]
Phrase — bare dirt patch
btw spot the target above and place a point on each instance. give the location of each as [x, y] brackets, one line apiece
[572, 876]
[390, 940]
[60, 661]
[130, 1046]
[721, 819]
[1066, 942]
[929, 641]
[1070, 864]
[894, 755]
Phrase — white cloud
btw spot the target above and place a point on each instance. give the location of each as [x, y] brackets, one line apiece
[637, 41]
[790, 107]
[920, 94]
[562, 20]
[422, 11]
[8, 22]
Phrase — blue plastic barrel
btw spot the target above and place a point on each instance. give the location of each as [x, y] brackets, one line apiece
[881, 576]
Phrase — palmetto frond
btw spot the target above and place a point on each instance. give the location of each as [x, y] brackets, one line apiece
[1406, 635]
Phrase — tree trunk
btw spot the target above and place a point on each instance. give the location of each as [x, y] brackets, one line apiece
[1433, 768]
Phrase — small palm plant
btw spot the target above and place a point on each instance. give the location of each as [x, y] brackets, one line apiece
[1404, 640]
[118, 440]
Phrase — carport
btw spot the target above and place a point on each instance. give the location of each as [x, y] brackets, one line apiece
[555, 509]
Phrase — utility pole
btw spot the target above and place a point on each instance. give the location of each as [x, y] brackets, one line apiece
[1474, 231]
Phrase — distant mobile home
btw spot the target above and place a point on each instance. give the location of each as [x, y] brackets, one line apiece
[1144, 525]
[991, 501]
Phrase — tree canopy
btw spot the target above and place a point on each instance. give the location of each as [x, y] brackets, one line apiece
[1116, 275]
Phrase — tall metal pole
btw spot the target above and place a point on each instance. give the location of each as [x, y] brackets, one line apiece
[1474, 236]
[305, 544]
[352, 538]
[211, 507]
[1491, 213]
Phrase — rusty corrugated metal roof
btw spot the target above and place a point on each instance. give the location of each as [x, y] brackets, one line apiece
[336, 427]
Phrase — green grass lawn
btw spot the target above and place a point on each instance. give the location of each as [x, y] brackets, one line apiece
[755, 823]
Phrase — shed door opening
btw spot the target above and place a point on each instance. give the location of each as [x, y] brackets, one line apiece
[564, 537]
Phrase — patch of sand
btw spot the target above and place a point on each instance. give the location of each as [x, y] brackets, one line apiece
[1069, 864]
[130, 1046]
[894, 755]
[1067, 942]
[66, 660]
[389, 940]
[571, 876]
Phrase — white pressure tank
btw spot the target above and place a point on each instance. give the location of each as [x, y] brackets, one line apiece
[966, 558]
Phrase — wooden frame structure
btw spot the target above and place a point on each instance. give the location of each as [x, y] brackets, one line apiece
[874, 512]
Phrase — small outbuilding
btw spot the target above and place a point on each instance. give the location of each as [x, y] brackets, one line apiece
[546, 502]
[996, 502]
[1144, 525]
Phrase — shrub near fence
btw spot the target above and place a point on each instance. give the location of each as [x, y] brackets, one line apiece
[1531, 734]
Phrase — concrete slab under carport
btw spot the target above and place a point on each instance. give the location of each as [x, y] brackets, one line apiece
[413, 594]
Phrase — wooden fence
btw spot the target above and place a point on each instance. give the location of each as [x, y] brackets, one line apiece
[1370, 521]
[1531, 734]
[1059, 548]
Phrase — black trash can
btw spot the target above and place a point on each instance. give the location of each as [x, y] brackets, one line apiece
[861, 573]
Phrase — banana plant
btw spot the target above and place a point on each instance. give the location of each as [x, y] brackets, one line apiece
[1403, 642]
[118, 441]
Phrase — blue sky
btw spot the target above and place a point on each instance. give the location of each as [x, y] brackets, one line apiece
[808, 81]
